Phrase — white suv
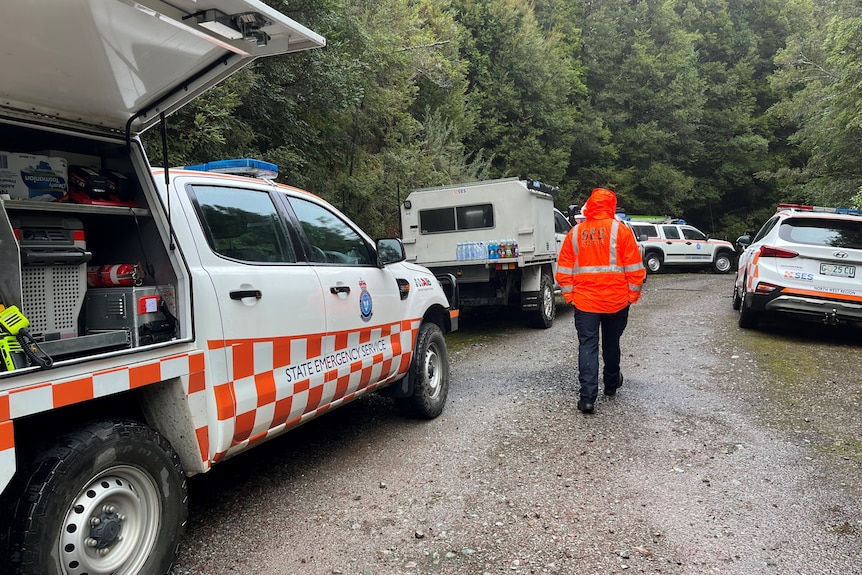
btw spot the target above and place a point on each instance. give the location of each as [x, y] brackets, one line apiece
[678, 244]
[806, 262]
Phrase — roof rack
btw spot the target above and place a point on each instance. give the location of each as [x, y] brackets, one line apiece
[820, 209]
[655, 220]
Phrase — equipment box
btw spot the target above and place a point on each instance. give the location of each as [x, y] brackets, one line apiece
[139, 310]
[33, 177]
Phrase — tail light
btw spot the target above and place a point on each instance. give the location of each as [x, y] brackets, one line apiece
[763, 287]
[773, 252]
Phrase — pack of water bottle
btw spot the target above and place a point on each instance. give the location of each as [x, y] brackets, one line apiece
[471, 251]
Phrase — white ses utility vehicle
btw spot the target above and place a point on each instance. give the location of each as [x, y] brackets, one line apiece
[494, 239]
[674, 243]
[154, 321]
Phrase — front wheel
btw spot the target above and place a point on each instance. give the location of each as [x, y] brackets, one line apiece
[109, 499]
[722, 264]
[429, 375]
[543, 317]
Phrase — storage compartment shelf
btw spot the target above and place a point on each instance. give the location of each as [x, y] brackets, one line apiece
[106, 340]
[27, 205]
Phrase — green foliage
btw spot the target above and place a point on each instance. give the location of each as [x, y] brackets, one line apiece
[821, 75]
[524, 90]
[713, 110]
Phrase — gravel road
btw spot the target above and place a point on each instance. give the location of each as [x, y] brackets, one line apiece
[726, 452]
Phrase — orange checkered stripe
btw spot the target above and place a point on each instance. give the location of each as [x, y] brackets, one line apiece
[49, 395]
[259, 400]
[753, 272]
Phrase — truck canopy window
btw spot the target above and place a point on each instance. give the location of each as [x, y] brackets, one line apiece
[455, 219]
[243, 224]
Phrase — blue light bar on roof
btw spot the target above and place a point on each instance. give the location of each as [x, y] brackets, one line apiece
[239, 167]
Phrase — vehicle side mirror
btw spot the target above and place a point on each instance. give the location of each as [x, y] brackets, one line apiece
[390, 251]
[743, 242]
[643, 238]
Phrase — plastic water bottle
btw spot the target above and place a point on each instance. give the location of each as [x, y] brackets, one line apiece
[459, 252]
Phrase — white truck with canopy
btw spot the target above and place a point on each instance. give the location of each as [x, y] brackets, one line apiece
[157, 321]
[492, 242]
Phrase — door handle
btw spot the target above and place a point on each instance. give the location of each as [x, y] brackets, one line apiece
[244, 293]
[339, 289]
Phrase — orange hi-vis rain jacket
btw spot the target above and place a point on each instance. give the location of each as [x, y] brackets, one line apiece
[599, 267]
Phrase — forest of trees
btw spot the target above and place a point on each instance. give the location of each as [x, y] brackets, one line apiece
[710, 110]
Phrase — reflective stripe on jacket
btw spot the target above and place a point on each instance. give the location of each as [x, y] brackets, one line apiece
[599, 267]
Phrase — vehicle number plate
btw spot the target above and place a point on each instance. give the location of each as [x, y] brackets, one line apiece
[838, 270]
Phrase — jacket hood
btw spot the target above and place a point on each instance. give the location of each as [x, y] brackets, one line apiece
[602, 205]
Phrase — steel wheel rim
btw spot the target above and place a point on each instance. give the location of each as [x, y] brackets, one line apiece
[126, 501]
[432, 370]
[547, 301]
[723, 264]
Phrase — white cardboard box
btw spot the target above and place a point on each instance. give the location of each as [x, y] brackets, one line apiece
[33, 177]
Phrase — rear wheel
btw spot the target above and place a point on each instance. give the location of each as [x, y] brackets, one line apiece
[543, 317]
[429, 375]
[107, 499]
[747, 317]
[737, 299]
[654, 262]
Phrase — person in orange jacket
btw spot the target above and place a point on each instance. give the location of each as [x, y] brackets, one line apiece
[601, 272]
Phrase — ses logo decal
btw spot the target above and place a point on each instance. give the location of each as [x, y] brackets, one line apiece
[364, 301]
[799, 276]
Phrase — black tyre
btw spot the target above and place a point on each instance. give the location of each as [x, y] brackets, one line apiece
[429, 375]
[723, 263]
[737, 298]
[108, 499]
[653, 262]
[747, 317]
[543, 317]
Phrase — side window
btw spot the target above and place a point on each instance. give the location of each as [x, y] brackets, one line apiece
[332, 240]
[767, 227]
[561, 224]
[693, 234]
[644, 229]
[242, 224]
[671, 232]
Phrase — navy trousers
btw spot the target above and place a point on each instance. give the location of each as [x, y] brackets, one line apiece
[588, 325]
